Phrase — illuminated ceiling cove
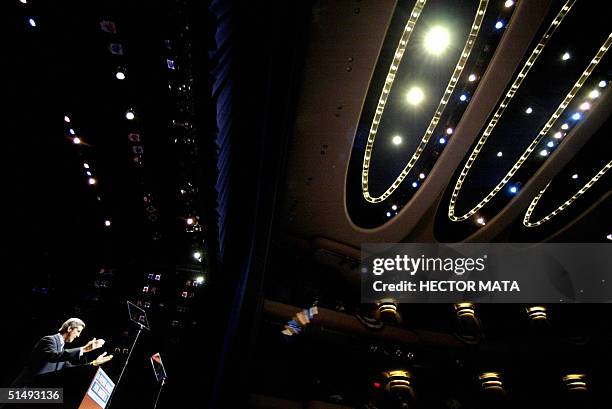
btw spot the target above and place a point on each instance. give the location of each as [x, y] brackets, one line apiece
[560, 82]
[433, 57]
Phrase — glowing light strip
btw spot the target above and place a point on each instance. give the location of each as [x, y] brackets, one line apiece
[465, 53]
[566, 204]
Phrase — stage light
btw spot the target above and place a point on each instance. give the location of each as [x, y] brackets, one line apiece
[422, 175]
[76, 140]
[189, 221]
[415, 184]
[463, 98]
[566, 56]
[575, 176]
[513, 189]
[472, 78]
[32, 22]
[394, 207]
[386, 311]
[509, 3]
[397, 140]
[575, 382]
[602, 84]
[197, 255]
[88, 173]
[499, 24]
[543, 152]
[66, 118]
[120, 75]
[550, 144]
[415, 96]
[585, 106]
[565, 127]
[449, 131]
[399, 383]
[130, 115]
[86, 165]
[537, 313]
[558, 135]
[491, 381]
[609, 237]
[199, 279]
[481, 221]
[107, 223]
[71, 131]
[91, 181]
[442, 140]
[529, 110]
[594, 94]
[436, 40]
[576, 116]
[500, 154]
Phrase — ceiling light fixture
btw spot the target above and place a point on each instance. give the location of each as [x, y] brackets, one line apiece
[437, 40]
[509, 3]
[594, 94]
[558, 135]
[576, 116]
[91, 181]
[499, 24]
[415, 96]
[107, 223]
[442, 140]
[397, 140]
[120, 75]
[565, 127]
[76, 140]
[66, 118]
[130, 115]
[529, 110]
[565, 56]
[32, 22]
[543, 152]
[602, 84]
[472, 78]
[585, 106]
[575, 176]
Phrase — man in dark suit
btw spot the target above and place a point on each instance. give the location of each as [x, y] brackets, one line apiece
[49, 354]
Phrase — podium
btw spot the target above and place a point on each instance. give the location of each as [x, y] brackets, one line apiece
[85, 387]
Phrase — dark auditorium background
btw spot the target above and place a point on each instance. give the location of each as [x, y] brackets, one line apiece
[219, 163]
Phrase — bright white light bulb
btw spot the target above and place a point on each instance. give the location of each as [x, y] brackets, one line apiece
[394, 207]
[602, 84]
[565, 127]
[500, 154]
[442, 141]
[71, 131]
[396, 140]
[499, 24]
[91, 181]
[463, 98]
[66, 118]
[388, 214]
[594, 94]
[576, 116]
[422, 175]
[32, 22]
[88, 173]
[472, 78]
[575, 176]
[550, 144]
[436, 40]
[543, 152]
[481, 221]
[415, 96]
[449, 131]
[585, 106]
[197, 255]
[558, 135]
[189, 221]
[23, 1]
[566, 56]
[509, 3]
[609, 236]
[415, 184]
[130, 115]
[513, 189]
[76, 140]
[107, 223]
[199, 279]
[120, 75]
[529, 110]
[86, 165]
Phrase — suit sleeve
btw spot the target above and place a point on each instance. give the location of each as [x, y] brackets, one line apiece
[47, 350]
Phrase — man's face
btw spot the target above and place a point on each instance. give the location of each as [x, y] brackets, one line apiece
[73, 333]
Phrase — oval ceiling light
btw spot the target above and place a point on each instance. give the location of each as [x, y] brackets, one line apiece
[415, 96]
[437, 40]
[397, 140]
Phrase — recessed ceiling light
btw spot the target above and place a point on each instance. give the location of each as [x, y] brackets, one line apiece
[602, 84]
[71, 131]
[442, 140]
[576, 116]
[107, 223]
[32, 22]
[543, 152]
[436, 40]
[120, 75]
[566, 56]
[394, 207]
[500, 154]
[481, 221]
[388, 214]
[76, 140]
[463, 98]
[197, 255]
[449, 131]
[472, 78]
[509, 3]
[550, 144]
[609, 236]
[86, 165]
[189, 221]
[130, 115]
[415, 96]
[91, 181]
[396, 140]
[23, 1]
[585, 106]
[66, 118]
[499, 24]
[529, 110]
[513, 189]
[415, 184]
[199, 279]
[558, 135]
[594, 94]
[565, 126]
[575, 176]
[422, 175]
[88, 173]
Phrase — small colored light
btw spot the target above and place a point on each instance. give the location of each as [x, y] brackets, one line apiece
[449, 131]
[529, 110]
[397, 140]
[415, 96]
[500, 154]
[499, 24]
[594, 94]
[565, 56]
[550, 144]
[543, 152]
[442, 140]
[463, 98]
[71, 131]
[120, 75]
[472, 78]
[558, 135]
[585, 106]
[76, 140]
[576, 116]
[388, 214]
[602, 84]
[32, 22]
[377, 385]
[575, 176]
[415, 184]
[88, 173]
[91, 181]
[565, 127]
[513, 189]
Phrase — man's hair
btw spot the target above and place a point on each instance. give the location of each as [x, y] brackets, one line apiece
[71, 323]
